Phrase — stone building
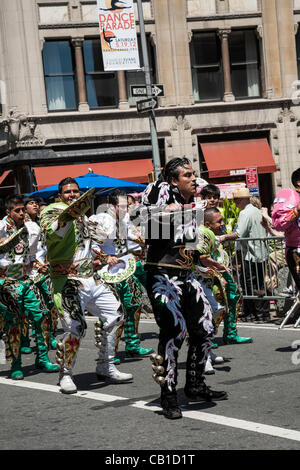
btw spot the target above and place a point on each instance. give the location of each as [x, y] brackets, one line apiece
[229, 70]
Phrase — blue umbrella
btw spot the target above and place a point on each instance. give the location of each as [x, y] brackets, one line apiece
[102, 184]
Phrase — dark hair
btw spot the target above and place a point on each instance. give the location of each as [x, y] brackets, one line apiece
[172, 169]
[65, 181]
[114, 196]
[210, 190]
[296, 178]
[42, 202]
[130, 197]
[28, 199]
[209, 213]
[12, 201]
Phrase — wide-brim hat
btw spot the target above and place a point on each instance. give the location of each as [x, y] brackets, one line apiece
[241, 192]
[120, 271]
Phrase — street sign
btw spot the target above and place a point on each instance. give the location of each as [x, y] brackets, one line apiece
[252, 181]
[141, 90]
[143, 106]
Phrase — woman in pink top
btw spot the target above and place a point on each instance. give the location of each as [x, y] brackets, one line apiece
[286, 218]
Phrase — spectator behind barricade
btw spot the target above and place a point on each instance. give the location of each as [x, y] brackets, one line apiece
[286, 217]
[254, 257]
[211, 194]
[256, 202]
[276, 258]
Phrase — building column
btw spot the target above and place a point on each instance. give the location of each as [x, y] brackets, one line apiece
[287, 45]
[123, 99]
[224, 34]
[273, 84]
[21, 66]
[172, 52]
[82, 95]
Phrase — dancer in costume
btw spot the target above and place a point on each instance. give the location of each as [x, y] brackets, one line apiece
[211, 194]
[209, 273]
[118, 237]
[74, 288]
[40, 277]
[18, 293]
[177, 298]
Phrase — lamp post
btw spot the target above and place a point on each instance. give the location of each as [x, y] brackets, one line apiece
[153, 131]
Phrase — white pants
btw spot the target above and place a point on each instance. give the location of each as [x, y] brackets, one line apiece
[97, 299]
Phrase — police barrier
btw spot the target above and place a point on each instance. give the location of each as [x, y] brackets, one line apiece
[260, 271]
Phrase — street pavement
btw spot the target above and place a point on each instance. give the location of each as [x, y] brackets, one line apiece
[262, 412]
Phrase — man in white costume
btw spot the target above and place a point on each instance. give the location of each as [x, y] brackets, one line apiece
[73, 285]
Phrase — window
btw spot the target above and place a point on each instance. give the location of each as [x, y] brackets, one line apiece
[137, 77]
[59, 75]
[62, 64]
[207, 72]
[208, 67]
[102, 87]
[245, 67]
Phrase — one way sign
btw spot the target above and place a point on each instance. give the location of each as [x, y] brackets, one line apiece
[141, 90]
[143, 106]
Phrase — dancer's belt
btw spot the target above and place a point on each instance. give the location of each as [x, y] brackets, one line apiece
[78, 268]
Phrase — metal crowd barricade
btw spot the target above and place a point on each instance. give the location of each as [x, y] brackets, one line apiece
[267, 273]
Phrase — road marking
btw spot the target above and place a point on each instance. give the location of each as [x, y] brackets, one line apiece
[56, 389]
[274, 431]
[287, 328]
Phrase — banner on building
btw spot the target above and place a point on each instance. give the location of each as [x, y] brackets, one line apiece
[118, 35]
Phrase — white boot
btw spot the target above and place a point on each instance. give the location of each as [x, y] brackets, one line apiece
[216, 359]
[66, 382]
[209, 370]
[106, 368]
[110, 373]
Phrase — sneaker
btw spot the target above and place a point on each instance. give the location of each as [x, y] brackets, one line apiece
[216, 359]
[111, 374]
[204, 393]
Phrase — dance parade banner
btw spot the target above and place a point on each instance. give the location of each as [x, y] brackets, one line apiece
[118, 35]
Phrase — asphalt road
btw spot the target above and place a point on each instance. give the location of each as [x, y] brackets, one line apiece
[262, 412]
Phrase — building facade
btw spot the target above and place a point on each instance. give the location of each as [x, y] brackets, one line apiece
[229, 70]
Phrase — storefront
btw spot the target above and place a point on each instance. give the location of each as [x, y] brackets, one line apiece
[225, 162]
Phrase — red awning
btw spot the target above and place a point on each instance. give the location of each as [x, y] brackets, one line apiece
[131, 170]
[223, 157]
